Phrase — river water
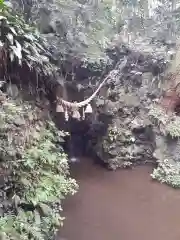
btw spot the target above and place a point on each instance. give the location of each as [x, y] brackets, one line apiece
[126, 204]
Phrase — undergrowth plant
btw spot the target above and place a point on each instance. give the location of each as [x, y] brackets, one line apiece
[169, 124]
[22, 43]
[38, 174]
[167, 173]
[34, 172]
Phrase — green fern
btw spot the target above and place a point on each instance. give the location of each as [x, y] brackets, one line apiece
[39, 176]
[36, 167]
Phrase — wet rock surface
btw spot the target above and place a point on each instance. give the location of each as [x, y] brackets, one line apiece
[120, 131]
[130, 137]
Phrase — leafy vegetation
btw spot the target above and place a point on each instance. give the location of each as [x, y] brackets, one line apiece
[167, 173]
[38, 174]
[22, 43]
[34, 171]
[81, 29]
[169, 124]
[33, 165]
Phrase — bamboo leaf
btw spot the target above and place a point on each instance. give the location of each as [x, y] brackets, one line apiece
[17, 50]
[29, 37]
[1, 44]
[13, 30]
[2, 18]
[10, 38]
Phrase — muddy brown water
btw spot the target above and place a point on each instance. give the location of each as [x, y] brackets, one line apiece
[125, 204]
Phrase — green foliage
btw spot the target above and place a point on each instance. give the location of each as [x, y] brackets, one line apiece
[22, 43]
[38, 173]
[29, 225]
[113, 134]
[33, 165]
[169, 124]
[48, 182]
[167, 173]
[83, 28]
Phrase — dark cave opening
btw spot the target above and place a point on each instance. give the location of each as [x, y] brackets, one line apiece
[76, 143]
[82, 139]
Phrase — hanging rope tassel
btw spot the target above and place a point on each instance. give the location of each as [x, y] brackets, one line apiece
[88, 109]
[83, 114]
[59, 108]
[76, 114]
[66, 115]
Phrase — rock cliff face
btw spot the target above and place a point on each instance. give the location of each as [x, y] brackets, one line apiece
[120, 131]
[130, 138]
